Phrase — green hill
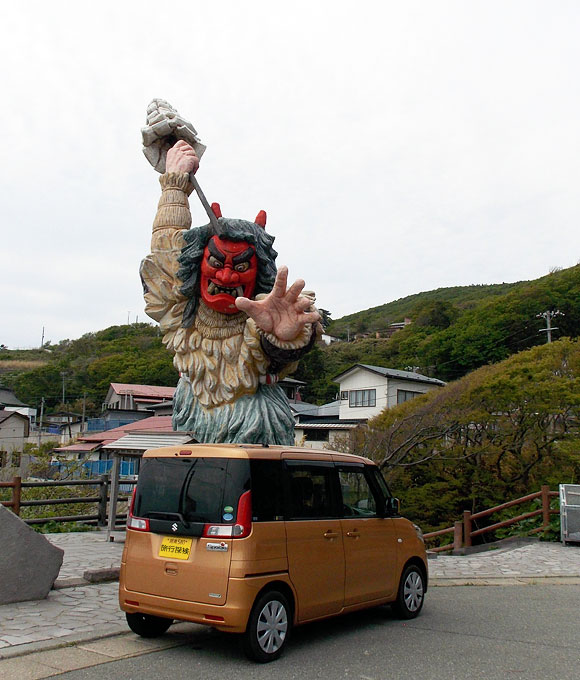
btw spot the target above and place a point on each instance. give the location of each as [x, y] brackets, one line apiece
[377, 319]
[126, 354]
[453, 331]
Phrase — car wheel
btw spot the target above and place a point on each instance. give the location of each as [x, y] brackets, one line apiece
[411, 593]
[148, 626]
[268, 628]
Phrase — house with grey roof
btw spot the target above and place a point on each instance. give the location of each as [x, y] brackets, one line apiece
[366, 390]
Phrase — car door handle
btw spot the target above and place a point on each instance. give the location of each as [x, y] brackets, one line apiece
[353, 534]
[330, 534]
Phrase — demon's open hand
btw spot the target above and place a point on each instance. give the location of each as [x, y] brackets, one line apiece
[283, 311]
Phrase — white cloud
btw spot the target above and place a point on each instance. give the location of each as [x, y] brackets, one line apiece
[397, 147]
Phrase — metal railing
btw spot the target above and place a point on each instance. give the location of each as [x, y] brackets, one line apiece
[100, 499]
[463, 531]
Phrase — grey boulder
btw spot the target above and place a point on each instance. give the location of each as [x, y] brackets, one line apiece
[29, 563]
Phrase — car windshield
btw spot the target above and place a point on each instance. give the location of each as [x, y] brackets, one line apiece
[197, 489]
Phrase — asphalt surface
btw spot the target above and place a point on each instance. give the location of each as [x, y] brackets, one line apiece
[463, 633]
[83, 609]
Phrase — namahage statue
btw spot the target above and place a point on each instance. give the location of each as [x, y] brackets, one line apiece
[225, 312]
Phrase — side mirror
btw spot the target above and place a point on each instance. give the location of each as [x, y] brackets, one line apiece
[393, 506]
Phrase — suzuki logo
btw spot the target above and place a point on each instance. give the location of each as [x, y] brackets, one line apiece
[174, 527]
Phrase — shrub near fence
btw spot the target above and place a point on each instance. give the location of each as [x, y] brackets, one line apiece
[89, 501]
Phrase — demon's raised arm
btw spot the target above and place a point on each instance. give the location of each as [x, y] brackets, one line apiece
[227, 314]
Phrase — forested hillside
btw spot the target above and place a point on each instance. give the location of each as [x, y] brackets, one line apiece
[498, 433]
[451, 335]
[377, 319]
[453, 331]
[126, 354]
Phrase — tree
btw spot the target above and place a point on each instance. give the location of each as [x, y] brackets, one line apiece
[498, 433]
[325, 319]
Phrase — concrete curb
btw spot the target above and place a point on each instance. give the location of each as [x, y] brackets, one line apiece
[90, 577]
[99, 633]
[439, 581]
[102, 575]
[179, 636]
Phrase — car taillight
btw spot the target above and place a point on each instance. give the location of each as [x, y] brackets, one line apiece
[136, 523]
[241, 528]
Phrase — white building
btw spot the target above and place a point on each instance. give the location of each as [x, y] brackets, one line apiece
[366, 390]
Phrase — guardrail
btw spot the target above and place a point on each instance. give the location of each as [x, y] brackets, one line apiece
[101, 499]
[463, 532]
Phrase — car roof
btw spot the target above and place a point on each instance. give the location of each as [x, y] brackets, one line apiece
[254, 452]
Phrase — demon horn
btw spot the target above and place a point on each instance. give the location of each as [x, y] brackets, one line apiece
[261, 219]
[216, 210]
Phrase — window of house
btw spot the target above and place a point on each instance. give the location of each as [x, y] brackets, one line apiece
[3, 458]
[358, 398]
[406, 395]
[316, 435]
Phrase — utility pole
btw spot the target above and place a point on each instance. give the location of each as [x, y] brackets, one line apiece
[84, 411]
[63, 374]
[40, 424]
[548, 316]
[42, 341]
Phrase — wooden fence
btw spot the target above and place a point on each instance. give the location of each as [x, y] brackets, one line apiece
[101, 499]
[463, 531]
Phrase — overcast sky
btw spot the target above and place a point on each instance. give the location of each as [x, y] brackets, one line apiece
[397, 147]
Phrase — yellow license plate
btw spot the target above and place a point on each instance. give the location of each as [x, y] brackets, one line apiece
[175, 547]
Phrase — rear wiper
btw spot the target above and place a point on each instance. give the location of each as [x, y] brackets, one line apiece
[168, 516]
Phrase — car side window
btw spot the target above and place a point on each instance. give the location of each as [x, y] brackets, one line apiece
[267, 491]
[310, 491]
[358, 499]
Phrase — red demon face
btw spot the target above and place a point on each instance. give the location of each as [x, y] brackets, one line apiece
[228, 271]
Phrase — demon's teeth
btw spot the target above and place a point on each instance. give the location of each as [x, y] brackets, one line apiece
[214, 289]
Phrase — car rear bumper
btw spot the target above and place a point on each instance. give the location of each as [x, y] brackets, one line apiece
[230, 617]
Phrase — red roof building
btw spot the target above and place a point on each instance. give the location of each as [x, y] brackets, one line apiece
[127, 396]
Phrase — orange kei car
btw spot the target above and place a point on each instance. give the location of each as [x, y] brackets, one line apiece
[256, 539]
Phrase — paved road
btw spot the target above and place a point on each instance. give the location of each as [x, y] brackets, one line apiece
[464, 633]
[78, 612]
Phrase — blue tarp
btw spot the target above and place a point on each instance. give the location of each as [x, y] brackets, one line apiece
[102, 425]
[94, 468]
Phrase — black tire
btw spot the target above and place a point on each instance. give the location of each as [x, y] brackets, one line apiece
[411, 593]
[148, 626]
[268, 628]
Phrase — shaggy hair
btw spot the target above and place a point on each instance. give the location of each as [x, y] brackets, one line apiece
[235, 230]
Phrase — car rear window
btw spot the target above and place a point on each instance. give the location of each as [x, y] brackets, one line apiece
[203, 490]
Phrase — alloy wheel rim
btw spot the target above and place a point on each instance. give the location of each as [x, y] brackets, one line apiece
[272, 626]
[413, 591]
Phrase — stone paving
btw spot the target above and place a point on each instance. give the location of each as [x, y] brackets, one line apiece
[534, 560]
[84, 612]
[88, 550]
[69, 613]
